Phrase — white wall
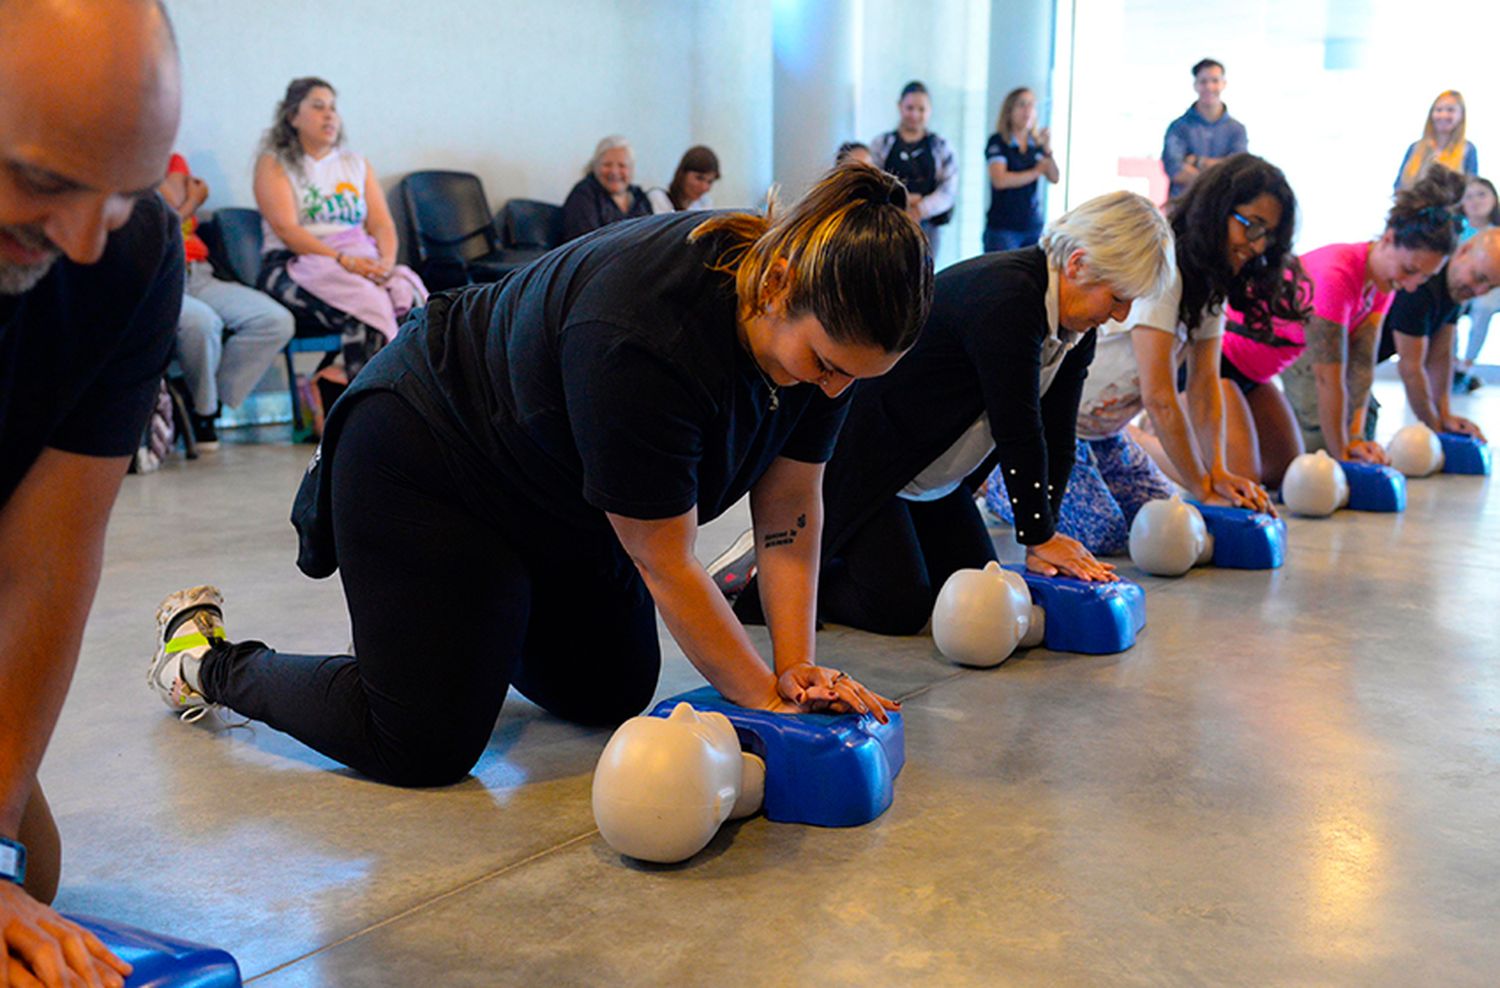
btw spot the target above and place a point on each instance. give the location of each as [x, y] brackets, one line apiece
[1331, 91]
[516, 91]
[946, 45]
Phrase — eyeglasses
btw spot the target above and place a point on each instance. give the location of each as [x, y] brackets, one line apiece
[1255, 231]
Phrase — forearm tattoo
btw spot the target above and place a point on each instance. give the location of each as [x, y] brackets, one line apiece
[786, 536]
[1361, 367]
[1327, 342]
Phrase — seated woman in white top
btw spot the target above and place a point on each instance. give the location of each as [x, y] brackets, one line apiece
[1233, 230]
[330, 243]
[691, 183]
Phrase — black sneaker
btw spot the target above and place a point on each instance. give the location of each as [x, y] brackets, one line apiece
[1474, 383]
[204, 432]
[735, 566]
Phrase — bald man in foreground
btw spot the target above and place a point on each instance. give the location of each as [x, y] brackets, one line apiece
[91, 276]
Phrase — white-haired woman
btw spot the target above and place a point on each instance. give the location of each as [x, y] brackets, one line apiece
[605, 195]
[996, 374]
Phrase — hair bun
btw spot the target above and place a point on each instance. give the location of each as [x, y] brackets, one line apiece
[895, 194]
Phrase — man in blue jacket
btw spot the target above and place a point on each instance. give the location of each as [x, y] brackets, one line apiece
[1206, 134]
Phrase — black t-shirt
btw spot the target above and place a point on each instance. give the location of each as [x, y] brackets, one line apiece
[82, 352]
[1020, 207]
[913, 163]
[1419, 313]
[981, 352]
[606, 376]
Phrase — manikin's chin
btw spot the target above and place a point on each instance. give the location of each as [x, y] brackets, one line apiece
[17, 279]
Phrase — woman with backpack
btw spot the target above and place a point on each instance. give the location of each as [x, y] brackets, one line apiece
[923, 161]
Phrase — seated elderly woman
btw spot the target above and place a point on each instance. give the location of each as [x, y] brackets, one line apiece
[995, 377]
[691, 183]
[605, 195]
[330, 244]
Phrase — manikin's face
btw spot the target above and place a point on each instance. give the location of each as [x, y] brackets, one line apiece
[613, 170]
[1474, 268]
[915, 109]
[696, 185]
[1264, 215]
[1209, 85]
[81, 140]
[1446, 116]
[1478, 204]
[1084, 303]
[317, 120]
[1403, 268]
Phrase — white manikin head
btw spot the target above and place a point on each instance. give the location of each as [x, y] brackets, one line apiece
[1416, 450]
[1315, 485]
[1168, 537]
[981, 615]
[664, 785]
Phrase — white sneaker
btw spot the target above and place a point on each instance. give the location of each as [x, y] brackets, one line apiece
[735, 566]
[187, 623]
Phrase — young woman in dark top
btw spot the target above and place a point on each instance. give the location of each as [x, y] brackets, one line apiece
[922, 160]
[510, 485]
[998, 370]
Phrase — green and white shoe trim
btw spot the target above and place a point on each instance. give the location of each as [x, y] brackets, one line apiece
[188, 623]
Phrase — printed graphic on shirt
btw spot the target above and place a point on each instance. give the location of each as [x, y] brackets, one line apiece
[345, 205]
[1112, 410]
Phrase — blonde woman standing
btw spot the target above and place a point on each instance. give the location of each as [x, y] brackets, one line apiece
[1442, 142]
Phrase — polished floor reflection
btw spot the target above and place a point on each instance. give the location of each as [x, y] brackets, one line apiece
[1292, 779]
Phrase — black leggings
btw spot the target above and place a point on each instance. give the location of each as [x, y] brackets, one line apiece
[447, 613]
[887, 576]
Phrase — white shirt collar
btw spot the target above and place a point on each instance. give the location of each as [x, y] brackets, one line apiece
[1053, 279]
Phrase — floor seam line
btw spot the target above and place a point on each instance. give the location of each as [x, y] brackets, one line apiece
[412, 910]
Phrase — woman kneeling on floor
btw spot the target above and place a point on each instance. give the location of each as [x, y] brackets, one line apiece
[513, 482]
[997, 372]
[1327, 360]
[1233, 229]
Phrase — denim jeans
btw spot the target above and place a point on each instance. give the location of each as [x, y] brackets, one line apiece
[227, 335]
[1010, 239]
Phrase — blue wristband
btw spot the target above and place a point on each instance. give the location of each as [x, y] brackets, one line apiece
[12, 861]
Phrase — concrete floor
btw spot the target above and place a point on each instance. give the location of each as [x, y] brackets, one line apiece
[1292, 779]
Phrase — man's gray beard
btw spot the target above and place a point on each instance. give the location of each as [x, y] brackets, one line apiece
[18, 279]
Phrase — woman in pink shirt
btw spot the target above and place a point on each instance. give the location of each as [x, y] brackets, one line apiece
[1352, 287]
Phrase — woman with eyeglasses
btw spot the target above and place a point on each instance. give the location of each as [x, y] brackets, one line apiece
[1327, 360]
[1232, 228]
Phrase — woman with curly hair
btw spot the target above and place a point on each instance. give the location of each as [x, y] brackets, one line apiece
[1327, 360]
[330, 243]
[1232, 229]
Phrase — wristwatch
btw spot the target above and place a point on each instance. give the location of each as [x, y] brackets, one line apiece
[12, 861]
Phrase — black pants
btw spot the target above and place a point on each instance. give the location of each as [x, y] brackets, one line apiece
[448, 611]
[886, 578]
